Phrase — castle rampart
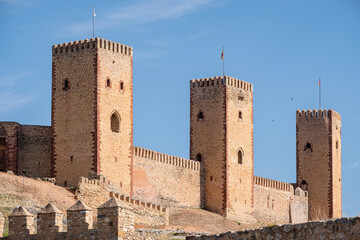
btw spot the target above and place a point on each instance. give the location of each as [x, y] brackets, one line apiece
[277, 202]
[92, 43]
[166, 180]
[113, 220]
[2, 222]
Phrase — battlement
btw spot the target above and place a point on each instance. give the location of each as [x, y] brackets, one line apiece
[314, 113]
[167, 159]
[273, 184]
[220, 80]
[93, 43]
[113, 220]
[137, 202]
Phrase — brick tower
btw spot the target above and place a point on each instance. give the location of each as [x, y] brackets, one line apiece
[221, 137]
[92, 116]
[318, 161]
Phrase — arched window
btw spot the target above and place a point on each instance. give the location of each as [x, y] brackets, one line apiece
[115, 122]
[198, 157]
[240, 156]
[308, 147]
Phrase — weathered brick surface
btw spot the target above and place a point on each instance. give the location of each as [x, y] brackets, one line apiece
[277, 202]
[83, 142]
[9, 146]
[319, 161]
[342, 228]
[35, 151]
[218, 137]
[166, 180]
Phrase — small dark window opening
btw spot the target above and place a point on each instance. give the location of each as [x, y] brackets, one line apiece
[211, 178]
[71, 158]
[108, 83]
[200, 116]
[198, 157]
[66, 85]
[241, 98]
[111, 224]
[115, 159]
[240, 114]
[65, 183]
[115, 122]
[121, 86]
[240, 156]
[303, 182]
[308, 147]
[337, 144]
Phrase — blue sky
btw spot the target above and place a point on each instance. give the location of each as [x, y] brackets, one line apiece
[281, 46]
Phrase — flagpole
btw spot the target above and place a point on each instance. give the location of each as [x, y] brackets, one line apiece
[319, 93]
[223, 60]
[93, 15]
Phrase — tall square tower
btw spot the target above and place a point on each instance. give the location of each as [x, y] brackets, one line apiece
[221, 137]
[318, 161]
[92, 116]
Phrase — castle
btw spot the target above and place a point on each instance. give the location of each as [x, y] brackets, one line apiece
[91, 135]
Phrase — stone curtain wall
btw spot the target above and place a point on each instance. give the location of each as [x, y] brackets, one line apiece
[35, 151]
[166, 180]
[342, 228]
[113, 222]
[2, 222]
[277, 202]
[96, 192]
[25, 147]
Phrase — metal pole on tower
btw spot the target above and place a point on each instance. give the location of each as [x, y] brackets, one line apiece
[93, 16]
[319, 93]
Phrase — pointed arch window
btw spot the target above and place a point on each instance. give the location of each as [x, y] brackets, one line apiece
[115, 122]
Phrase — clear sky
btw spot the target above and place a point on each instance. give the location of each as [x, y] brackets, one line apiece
[281, 46]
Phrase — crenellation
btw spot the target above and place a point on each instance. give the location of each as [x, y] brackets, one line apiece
[313, 113]
[270, 183]
[92, 43]
[226, 80]
[166, 159]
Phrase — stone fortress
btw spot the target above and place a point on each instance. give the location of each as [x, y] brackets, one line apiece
[91, 136]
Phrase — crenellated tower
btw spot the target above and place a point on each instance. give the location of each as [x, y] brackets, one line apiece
[92, 116]
[318, 161]
[221, 137]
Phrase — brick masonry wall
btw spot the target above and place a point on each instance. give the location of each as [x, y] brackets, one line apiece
[73, 112]
[35, 151]
[115, 148]
[319, 162]
[239, 133]
[165, 179]
[9, 149]
[207, 137]
[276, 202]
[342, 228]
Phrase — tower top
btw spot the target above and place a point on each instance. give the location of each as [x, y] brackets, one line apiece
[221, 80]
[93, 43]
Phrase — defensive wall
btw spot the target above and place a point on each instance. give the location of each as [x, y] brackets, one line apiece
[25, 148]
[341, 228]
[277, 202]
[166, 180]
[114, 220]
[97, 191]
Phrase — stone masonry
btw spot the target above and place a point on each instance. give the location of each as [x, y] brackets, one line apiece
[2, 222]
[318, 151]
[91, 136]
[114, 221]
